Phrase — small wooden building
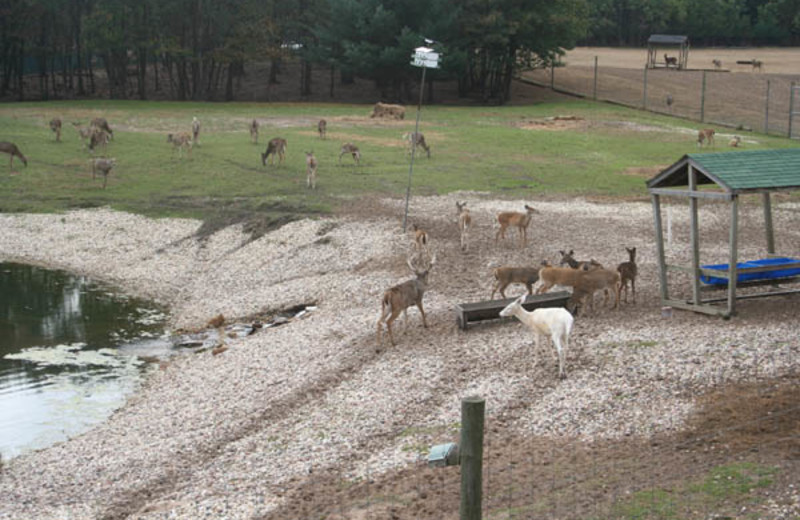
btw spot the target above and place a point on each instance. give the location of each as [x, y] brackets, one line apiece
[660, 44]
[732, 174]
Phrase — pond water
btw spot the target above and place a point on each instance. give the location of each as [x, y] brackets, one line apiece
[69, 354]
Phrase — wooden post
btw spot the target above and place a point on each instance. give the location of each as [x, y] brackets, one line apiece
[732, 269]
[553, 76]
[791, 108]
[695, 237]
[703, 99]
[471, 455]
[594, 92]
[768, 224]
[644, 93]
[766, 112]
[662, 264]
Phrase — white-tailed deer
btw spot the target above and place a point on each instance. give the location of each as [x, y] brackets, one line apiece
[98, 137]
[101, 123]
[717, 64]
[276, 146]
[195, 130]
[104, 166]
[670, 61]
[627, 272]
[13, 151]
[568, 259]
[505, 276]
[55, 126]
[707, 135]
[311, 170]
[349, 148]
[400, 297]
[419, 137]
[322, 128]
[254, 131]
[420, 239]
[180, 142]
[517, 220]
[464, 223]
[757, 64]
[84, 132]
[555, 323]
[589, 282]
[735, 142]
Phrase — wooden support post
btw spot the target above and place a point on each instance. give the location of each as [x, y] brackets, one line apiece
[703, 100]
[644, 92]
[471, 454]
[662, 264]
[732, 268]
[768, 224]
[791, 108]
[695, 238]
[594, 91]
[553, 76]
[766, 112]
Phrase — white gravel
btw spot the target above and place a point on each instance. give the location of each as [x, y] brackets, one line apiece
[223, 436]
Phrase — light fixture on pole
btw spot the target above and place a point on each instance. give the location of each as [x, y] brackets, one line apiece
[426, 58]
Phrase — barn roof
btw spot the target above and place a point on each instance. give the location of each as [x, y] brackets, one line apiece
[668, 39]
[735, 172]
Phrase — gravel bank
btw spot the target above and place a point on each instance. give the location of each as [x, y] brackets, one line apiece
[225, 436]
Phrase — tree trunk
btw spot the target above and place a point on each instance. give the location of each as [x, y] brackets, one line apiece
[141, 73]
[333, 76]
[229, 84]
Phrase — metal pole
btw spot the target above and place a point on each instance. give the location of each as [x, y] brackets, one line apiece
[766, 112]
[471, 454]
[414, 148]
[594, 94]
[703, 99]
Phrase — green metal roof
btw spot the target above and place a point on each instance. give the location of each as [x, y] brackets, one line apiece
[756, 170]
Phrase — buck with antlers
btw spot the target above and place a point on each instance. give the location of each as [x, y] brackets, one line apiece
[400, 297]
[464, 222]
[517, 220]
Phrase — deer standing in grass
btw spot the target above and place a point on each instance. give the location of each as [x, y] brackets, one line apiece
[735, 141]
[13, 151]
[399, 298]
[517, 220]
[705, 135]
[55, 126]
[254, 131]
[311, 170]
[101, 123]
[418, 139]
[349, 148]
[104, 166]
[180, 142]
[195, 130]
[628, 271]
[276, 146]
[464, 222]
[98, 137]
[322, 128]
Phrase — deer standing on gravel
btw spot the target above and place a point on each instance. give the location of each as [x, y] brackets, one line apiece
[13, 151]
[55, 126]
[276, 146]
[180, 142]
[420, 239]
[349, 148]
[628, 271]
[104, 166]
[505, 276]
[707, 135]
[464, 222]
[400, 297]
[517, 220]
[311, 170]
[322, 128]
[757, 65]
[254, 131]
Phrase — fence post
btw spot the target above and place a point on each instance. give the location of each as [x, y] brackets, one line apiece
[791, 108]
[594, 92]
[703, 100]
[471, 454]
[552, 76]
[644, 93]
[766, 112]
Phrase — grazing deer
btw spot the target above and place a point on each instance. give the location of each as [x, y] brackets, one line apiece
[195, 130]
[505, 276]
[13, 151]
[55, 126]
[757, 65]
[419, 137]
[98, 137]
[101, 123]
[464, 223]
[588, 283]
[707, 135]
[322, 128]
[179, 142]
[276, 146]
[670, 60]
[717, 64]
[518, 220]
[420, 239]
[311, 170]
[104, 166]
[627, 272]
[84, 132]
[735, 142]
[349, 148]
[254, 131]
[400, 297]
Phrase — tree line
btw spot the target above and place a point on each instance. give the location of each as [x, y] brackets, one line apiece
[197, 49]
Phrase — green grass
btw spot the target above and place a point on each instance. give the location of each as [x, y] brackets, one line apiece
[474, 148]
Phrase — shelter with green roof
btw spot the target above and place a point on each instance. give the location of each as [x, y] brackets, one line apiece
[724, 177]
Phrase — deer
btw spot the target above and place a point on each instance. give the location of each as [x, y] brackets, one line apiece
[104, 166]
[311, 170]
[13, 151]
[98, 137]
[417, 139]
[420, 239]
[322, 128]
[554, 322]
[276, 146]
[464, 222]
[254, 131]
[707, 135]
[735, 141]
[589, 282]
[757, 65]
[195, 130]
[518, 220]
[399, 298]
[101, 123]
[84, 132]
[505, 276]
[568, 259]
[349, 148]
[717, 64]
[627, 272]
[670, 60]
[55, 126]
[179, 142]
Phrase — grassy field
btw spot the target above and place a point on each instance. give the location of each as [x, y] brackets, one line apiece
[511, 151]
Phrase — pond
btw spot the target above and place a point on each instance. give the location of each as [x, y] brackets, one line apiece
[70, 354]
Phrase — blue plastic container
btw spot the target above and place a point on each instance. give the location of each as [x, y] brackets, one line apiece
[746, 277]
